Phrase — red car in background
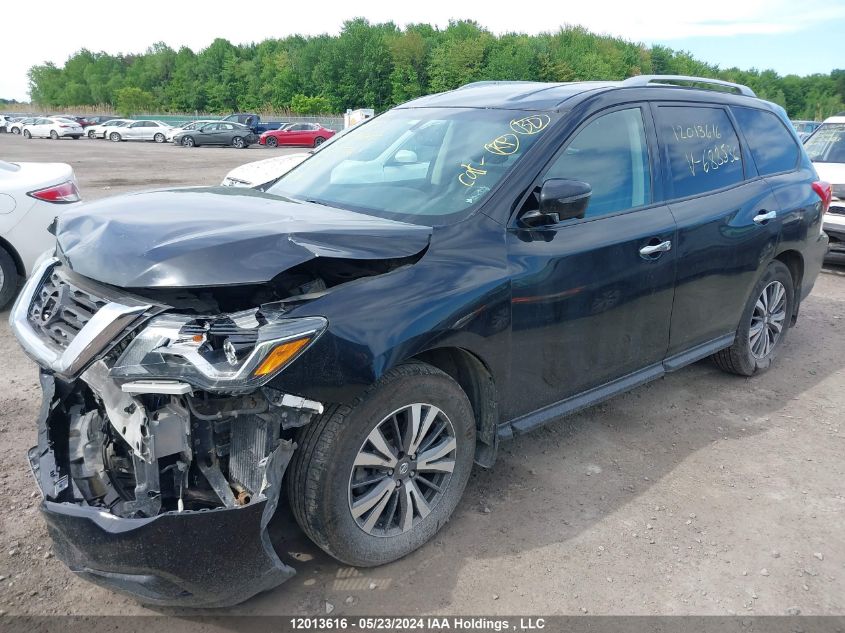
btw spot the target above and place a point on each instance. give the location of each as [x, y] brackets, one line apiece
[307, 134]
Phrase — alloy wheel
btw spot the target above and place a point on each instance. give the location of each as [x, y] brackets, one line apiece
[767, 320]
[402, 470]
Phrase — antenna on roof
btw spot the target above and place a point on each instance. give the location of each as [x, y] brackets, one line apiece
[664, 80]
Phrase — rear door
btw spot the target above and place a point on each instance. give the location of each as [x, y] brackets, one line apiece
[592, 296]
[728, 221]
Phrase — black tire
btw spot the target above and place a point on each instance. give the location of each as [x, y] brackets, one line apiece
[11, 281]
[238, 142]
[319, 141]
[114, 137]
[272, 141]
[16, 130]
[27, 134]
[75, 137]
[92, 134]
[159, 138]
[54, 135]
[318, 479]
[739, 358]
[188, 141]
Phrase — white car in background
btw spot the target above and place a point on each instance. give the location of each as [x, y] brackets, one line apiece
[826, 148]
[263, 172]
[17, 124]
[5, 122]
[52, 127]
[31, 196]
[187, 127]
[101, 130]
[143, 130]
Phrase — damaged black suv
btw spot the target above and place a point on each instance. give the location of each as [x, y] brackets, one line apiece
[459, 269]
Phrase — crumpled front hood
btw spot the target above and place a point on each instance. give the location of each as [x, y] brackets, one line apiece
[219, 236]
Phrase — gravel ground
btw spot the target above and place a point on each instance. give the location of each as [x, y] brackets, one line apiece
[700, 493]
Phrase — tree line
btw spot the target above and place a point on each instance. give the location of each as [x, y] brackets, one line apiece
[381, 65]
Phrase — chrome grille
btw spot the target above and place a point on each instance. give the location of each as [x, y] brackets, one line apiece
[59, 310]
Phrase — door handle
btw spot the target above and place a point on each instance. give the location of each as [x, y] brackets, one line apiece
[654, 249]
[764, 216]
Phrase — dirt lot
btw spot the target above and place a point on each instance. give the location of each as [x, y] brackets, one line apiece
[700, 493]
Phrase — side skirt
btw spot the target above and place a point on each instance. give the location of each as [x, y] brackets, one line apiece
[573, 404]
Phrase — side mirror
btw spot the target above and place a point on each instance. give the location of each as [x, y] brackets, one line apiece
[405, 156]
[560, 200]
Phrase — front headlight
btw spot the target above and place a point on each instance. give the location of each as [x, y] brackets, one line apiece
[233, 353]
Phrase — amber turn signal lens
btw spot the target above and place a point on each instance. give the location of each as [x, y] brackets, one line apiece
[281, 354]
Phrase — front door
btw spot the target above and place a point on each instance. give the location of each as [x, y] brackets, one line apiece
[592, 296]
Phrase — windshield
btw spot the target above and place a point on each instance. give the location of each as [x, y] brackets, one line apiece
[421, 165]
[827, 144]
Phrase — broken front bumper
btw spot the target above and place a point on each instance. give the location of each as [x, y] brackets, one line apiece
[215, 557]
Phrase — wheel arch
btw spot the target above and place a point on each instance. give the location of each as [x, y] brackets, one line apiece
[475, 378]
[6, 246]
[794, 261]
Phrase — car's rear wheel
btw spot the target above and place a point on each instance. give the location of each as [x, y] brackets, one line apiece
[238, 142]
[159, 138]
[188, 141]
[114, 137]
[764, 324]
[16, 130]
[373, 482]
[272, 141]
[92, 134]
[54, 135]
[319, 141]
[9, 278]
[27, 134]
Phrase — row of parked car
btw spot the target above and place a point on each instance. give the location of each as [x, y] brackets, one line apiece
[237, 130]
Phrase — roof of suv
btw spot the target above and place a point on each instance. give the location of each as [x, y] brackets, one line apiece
[535, 95]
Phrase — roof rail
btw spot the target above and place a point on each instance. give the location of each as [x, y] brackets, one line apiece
[649, 80]
[493, 82]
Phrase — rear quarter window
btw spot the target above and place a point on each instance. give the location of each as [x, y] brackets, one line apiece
[702, 149]
[773, 148]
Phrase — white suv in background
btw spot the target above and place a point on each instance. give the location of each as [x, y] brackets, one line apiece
[826, 148]
[52, 127]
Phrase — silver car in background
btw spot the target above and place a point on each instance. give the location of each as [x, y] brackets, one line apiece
[143, 130]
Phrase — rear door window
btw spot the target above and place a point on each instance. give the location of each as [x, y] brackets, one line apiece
[772, 146]
[701, 147]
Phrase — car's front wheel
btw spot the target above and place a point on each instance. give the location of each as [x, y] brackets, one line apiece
[16, 130]
[9, 278]
[764, 324]
[114, 137]
[92, 134]
[188, 141]
[54, 135]
[159, 138]
[373, 482]
[27, 134]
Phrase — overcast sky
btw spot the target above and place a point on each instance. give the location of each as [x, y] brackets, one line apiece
[788, 36]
